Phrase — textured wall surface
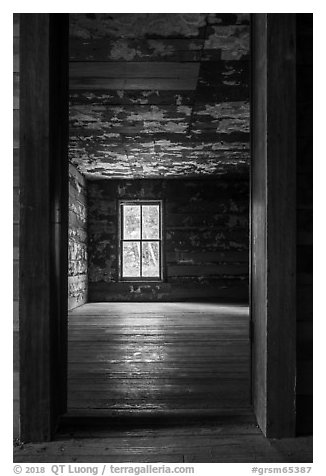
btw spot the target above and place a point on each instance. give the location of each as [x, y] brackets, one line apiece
[16, 228]
[159, 95]
[205, 239]
[77, 247]
[304, 223]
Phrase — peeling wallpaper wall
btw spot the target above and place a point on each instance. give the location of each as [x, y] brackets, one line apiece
[77, 233]
[205, 241]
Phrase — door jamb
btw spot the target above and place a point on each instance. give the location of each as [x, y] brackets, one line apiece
[43, 225]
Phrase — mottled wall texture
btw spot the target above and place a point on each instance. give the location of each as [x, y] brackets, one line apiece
[159, 95]
[77, 247]
[304, 223]
[16, 228]
[205, 237]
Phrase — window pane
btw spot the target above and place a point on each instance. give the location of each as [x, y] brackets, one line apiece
[151, 260]
[151, 222]
[131, 222]
[131, 259]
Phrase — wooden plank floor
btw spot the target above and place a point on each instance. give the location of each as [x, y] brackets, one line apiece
[170, 383]
[181, 358]
[201, 441]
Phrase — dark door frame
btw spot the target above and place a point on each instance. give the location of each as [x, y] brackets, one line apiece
[273, 222]
[43, 280]
[44, 220]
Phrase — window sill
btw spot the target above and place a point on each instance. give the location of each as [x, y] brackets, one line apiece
[142, 281]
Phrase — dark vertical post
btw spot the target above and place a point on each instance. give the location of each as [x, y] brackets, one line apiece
[273, 228]
[43, 186]
[304, 400]
[59, 190]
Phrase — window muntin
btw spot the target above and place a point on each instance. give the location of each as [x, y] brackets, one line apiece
[141, 240]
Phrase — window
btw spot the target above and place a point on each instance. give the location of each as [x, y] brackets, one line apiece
[141, 242]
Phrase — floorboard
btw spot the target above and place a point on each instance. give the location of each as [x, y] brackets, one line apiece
[170, 383]
[188, 443]
[170, 358]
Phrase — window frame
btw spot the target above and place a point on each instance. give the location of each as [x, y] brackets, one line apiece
[140, 279]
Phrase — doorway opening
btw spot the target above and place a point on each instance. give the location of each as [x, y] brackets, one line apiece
[42, 324]
[159, 214]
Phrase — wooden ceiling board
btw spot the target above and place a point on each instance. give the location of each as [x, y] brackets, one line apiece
[149, 25]
[222, 42]
[131, 97]
[142, 144]
[154, 95]
[131, 69]
[133, 75]
[224, 117]
[137, 25]
[155, 167]
[133, 84]
[142, 50]
[160, 142]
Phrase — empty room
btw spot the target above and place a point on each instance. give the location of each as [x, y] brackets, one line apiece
[163, 305]
[159, 213]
